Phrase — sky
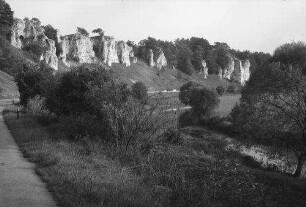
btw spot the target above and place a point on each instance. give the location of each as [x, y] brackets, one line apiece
[255, 25]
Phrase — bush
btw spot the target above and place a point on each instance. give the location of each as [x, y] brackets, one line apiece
[173, 136]
[35, 48]
[231, 89]
[36, 107]
[139, 91]
[82, 31]
[203, 101]
[185, 91]
[186, 119]
[220, 90]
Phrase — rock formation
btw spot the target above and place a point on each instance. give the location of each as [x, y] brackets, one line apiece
[151, 58]
[124, 53]
[241, 72]
[229, 69]
[235, 70]
[49, 53]
[105, 49]
[220, 72]
[78, 48]
[204, 69]
[160, 58]
[25, 32]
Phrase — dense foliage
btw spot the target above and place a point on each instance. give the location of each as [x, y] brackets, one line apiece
[139, 91]
[6, 19]
[273, 105]
[187, 54]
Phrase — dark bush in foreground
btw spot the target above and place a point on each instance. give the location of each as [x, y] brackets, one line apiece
[139, 91]
[220, 90]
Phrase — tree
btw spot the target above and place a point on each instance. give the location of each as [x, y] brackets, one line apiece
[185, 92]
[203, 101]
[184, 60]
[29, 81]
[273, 104]
[6, 18]
[98, 31]
[139, 91]
[197, 58]
[82, 31]
[220, 90]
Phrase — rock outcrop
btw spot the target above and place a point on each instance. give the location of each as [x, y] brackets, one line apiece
[26, 32]
[124, 53]
[160, 58]
[49, 53]
[151, 58]
[229, 69]
[105, 49]
[77, 48]
[241, 72]
[204, 69]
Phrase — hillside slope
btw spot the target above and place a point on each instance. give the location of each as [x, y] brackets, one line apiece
[12, 59]
[8, 87]
[165, 79]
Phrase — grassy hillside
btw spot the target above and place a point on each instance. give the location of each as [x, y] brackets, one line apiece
[12, 59]
[166, 79]
[8, 87]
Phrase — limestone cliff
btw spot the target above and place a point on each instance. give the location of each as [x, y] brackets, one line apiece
[160, 58]
[204, 69]
[25, 32]
[77, 48]
[49, 53]
[229, 69]
[151, 58]
[241, 72]
[124, 53]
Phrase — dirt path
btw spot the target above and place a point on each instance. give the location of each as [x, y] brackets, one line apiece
[19, 185]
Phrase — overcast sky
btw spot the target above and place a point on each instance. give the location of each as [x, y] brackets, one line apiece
[256, 25]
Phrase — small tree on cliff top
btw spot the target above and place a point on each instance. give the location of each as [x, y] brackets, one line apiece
[82, 31]
[98, 31]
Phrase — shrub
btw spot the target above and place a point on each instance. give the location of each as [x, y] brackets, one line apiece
[231, 89]
[173, 136]
[36, 107]
[30, 79]
[203, 101]
[185, 91]
[35, 48]
[220, 90]
[186, 119]
[139, 91]
[82, 31]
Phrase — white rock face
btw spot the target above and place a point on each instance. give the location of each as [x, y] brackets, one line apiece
[241, 72]
[124, 53]
[49, 54]
[161, 60]
[77, 48]
[246, 67]
[220, 72]
[26, 32]
[151, 58]
[205, 69]
[105, 48]
[17, 36]
[227, 73]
